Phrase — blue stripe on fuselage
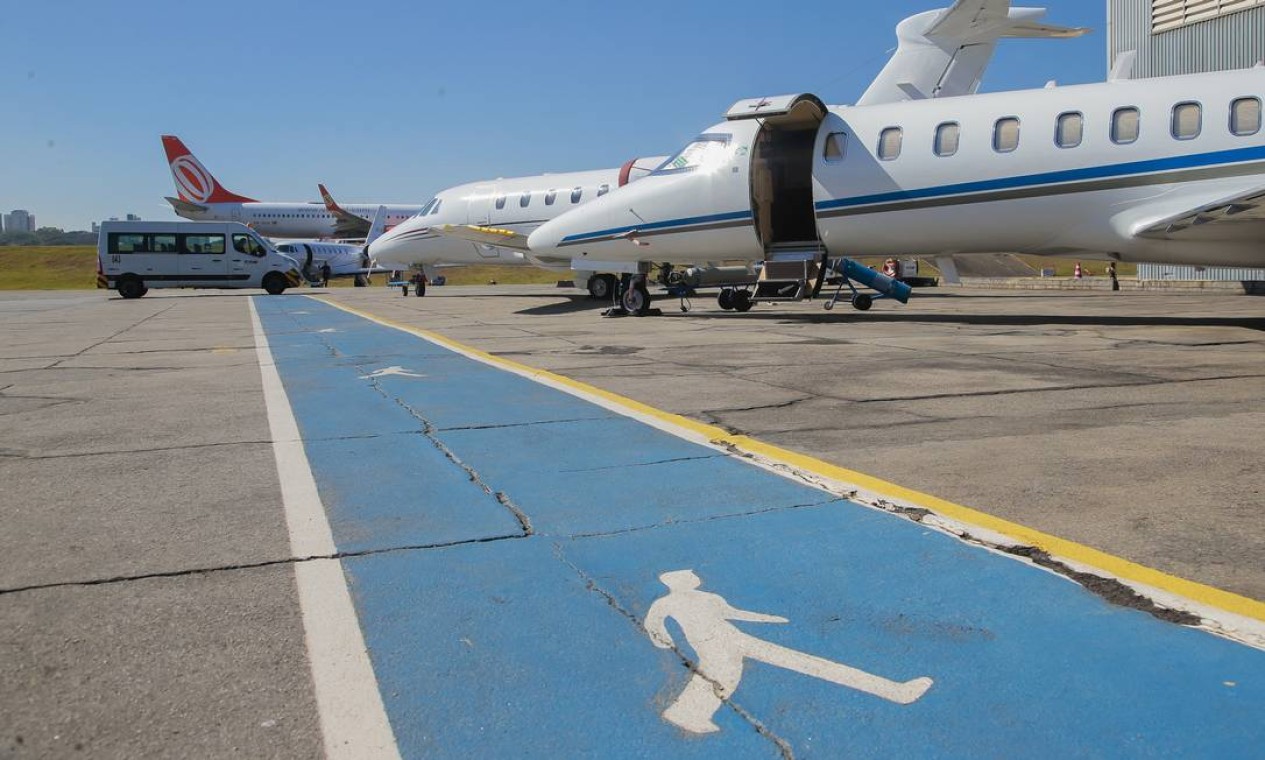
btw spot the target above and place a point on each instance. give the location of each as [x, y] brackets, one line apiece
[1238, 155]
[646, 227]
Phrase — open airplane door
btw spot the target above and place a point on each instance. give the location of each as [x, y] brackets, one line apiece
[782, 173]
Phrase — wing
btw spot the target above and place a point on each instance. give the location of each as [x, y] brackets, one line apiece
[485, 235]
[1239, 213]
[346, 224]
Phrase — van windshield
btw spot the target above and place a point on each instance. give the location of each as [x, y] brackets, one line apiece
[707, 151]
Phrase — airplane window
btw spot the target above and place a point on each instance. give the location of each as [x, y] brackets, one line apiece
[603, 190]
[500, 201]
[1245, 116]
[550, 197]
[435, 210]
[1006, 135]
[1187, 120]
[948, 137]
[576, 194]
[525, 200]
[707, 150]
[1126, 125]
[889, 142]
[1070, 130]
[836, 145]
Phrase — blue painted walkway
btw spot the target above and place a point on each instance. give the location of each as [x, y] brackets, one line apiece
[532, 528]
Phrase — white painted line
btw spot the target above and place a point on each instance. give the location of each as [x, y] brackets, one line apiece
[354, 721]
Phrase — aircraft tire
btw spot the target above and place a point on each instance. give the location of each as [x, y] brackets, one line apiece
[726, 299]
[742, 301]
[274, 283]
[601, 286]
[420, 290]
[862, 301]
[132, 287]
[636, 299]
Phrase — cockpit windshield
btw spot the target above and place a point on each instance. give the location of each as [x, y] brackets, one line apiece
[426, 209]
[707, 151]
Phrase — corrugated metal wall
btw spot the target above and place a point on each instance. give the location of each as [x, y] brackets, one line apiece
[1234, 41]
[1204, 274]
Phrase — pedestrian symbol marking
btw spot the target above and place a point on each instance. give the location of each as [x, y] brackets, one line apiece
[722, 649]
[388, 372]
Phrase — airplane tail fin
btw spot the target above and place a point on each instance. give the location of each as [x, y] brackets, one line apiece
[944, 53]
[194, 184]
[376, 229]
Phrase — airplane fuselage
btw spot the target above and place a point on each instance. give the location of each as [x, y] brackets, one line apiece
[292, 220]
[1085, 170]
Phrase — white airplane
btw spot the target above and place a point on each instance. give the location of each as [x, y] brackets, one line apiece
[1168, 170]
[940, 53]
[203, 198]
[514, 207]
[343, 259]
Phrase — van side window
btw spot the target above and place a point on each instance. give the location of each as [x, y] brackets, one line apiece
[1006, 135]
[1245, 116]
[889, 142]
[213, 244]
[948, 136]
[1070, 130]
[1188, 119]
[550, 197]
[124, 242]
[603, 190]
[576, 194]
[1126, 125]
[162, 243]
[525, 200]
[500, 201]
[836, 146]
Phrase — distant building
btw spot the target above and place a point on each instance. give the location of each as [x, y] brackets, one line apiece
[96, 228]
[133, 218]
[19, 221]
[1186, 36]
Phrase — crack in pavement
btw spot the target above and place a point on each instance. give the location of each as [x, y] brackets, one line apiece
[15, 454]
[707, 519]
[112, 337]
[504, 426]
[429, 431]
[257, 565]
[783, 747]
[643, 464]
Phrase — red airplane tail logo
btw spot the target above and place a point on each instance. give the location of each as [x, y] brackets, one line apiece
[193, 182]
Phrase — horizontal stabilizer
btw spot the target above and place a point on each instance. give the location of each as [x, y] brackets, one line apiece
[485, 235]
[185, 207]
[1245, 207]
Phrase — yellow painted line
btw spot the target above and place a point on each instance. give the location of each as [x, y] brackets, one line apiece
[1118, 567]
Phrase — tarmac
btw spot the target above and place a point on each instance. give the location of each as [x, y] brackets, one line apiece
[152, 599]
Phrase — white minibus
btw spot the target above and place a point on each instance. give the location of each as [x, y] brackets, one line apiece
[133, 257]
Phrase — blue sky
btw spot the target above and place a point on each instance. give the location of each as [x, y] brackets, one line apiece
[390, 102]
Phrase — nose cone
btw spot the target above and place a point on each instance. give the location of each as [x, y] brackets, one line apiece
[401, 246]
[547, 238]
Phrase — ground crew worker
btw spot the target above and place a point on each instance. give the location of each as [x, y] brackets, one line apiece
[325, 272]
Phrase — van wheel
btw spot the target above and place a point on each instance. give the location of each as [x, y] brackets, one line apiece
[132, 288]
[275, 283]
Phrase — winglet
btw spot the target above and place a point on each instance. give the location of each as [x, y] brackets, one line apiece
[194, 184]
[346, 224]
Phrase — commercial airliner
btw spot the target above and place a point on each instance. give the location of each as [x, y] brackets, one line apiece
[940, 53]
[1168, 170]
[203, 198]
